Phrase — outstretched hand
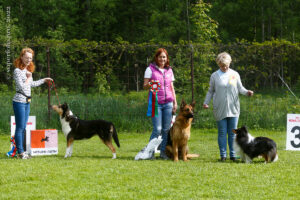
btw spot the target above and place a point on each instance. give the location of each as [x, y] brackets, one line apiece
[48, 80]
[250, 93]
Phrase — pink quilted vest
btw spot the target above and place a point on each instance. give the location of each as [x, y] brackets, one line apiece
[164, 95]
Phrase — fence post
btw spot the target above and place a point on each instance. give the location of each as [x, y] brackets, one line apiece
[192, 70]
[48, 75]
[137, 76]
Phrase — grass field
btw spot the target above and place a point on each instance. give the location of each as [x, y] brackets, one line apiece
[91, 173]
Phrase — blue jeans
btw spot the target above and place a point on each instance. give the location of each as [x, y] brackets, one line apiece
[161, 123]
[225, 127]
[21, 111]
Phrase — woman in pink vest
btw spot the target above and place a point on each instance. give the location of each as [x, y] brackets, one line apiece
[161, 70]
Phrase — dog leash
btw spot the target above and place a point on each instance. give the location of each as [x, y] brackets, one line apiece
[52, 84]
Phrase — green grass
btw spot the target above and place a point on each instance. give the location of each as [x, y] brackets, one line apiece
[91, 173]
[128, 111]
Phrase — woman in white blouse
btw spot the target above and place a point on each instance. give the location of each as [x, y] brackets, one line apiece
[21, 100]
[224, 87]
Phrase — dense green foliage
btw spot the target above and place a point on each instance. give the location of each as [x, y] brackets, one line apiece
[102, 46]
[139, 21]
[256, 20]
[106, 20]
[101, 67]
[91, 173]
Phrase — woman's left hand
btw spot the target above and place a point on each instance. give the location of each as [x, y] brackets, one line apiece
[174, 107]
[250, 93]
[48, 80]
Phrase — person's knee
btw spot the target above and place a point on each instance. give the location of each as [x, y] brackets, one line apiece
[20, 129]
[157, 128]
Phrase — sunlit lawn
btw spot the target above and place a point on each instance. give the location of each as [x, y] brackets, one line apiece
[91, 173]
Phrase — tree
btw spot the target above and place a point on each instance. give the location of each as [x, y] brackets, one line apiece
[204, 28]
[256, 20]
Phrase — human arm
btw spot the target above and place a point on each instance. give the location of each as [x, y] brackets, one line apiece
[242, 89]
[40, 82]
[146, 84]
[147, 76]
[210, 92]
[29, 77]
[174, 96]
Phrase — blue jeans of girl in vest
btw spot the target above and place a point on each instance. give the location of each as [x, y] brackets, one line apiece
[162, 123]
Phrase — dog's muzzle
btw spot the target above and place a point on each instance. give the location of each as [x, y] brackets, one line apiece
[190, 115]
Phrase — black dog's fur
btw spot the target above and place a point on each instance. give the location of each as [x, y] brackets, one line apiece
[250, 147]
[85, 129]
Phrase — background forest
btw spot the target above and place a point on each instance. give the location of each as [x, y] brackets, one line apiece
[105, 45]
[138, 21]
[97, 52]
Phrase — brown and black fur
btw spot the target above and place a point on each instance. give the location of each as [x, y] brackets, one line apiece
[180, 132]
[84, 129]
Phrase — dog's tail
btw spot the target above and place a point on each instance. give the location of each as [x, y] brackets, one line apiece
[114, 135]
[192, 155]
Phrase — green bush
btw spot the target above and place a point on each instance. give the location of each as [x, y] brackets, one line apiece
[128, 112]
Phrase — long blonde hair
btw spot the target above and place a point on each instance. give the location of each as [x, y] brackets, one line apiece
[19, 64]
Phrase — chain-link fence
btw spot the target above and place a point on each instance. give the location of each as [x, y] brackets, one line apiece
[83, 67]
[103, 67]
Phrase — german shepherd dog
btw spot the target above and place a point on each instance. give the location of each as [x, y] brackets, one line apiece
[180, 132]
[77, 129]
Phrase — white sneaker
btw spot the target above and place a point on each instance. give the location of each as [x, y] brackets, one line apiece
[24, 155]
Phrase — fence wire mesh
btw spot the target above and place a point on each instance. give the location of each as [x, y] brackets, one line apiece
[84, 71]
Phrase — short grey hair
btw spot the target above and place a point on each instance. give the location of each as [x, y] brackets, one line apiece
[223, 58]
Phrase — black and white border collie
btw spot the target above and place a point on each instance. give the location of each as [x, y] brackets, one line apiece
[249, 147]
[77, 129]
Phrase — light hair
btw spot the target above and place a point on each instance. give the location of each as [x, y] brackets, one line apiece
[223, 58]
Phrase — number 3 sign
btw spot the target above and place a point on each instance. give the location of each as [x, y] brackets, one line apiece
[293, 132]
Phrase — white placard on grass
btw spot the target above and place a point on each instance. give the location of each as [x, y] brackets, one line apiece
[293, 132]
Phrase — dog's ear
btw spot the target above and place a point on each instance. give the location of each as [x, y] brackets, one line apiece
[245, 128]
[193, 104]
[65, 105]
[234, 131]
[183, 103]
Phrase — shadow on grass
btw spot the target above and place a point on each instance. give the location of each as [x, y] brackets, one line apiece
[131, 158]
